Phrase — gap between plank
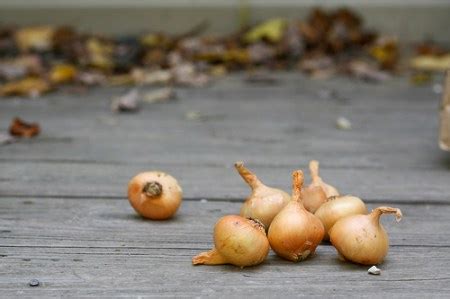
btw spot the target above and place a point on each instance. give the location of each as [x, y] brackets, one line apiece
[441, 202]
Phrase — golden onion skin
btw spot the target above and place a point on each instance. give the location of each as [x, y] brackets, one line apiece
[295, 233]
[361, 238]
[337, 208]
[264, 202]
[238, 241]
[158, 206]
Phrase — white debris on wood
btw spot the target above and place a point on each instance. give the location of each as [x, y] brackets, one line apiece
[343, 123]
[203, 200]
[126, 103]
[374, 270]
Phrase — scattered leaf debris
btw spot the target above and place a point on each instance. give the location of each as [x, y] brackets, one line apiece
[21, 128]
[38, 59]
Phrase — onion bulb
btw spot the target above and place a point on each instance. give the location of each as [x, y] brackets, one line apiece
[338, 207]
[313, 198]
[264, 202]
[317, 180]
[295, 233]
[361, 238]
[238, 241]
[154, 195]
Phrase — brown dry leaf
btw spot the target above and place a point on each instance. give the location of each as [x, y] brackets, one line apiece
[431, 63]
[21, 128]
[129, 102]
[385, 51]
[30, 86]
[34, 38]
[144, 77]
[100, 53]
[364, 71]
[62, 73]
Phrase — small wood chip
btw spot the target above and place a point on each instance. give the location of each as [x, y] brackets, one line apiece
[374, 270]
[343, 123]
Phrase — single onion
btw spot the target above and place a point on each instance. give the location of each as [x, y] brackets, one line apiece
[154, 195]
[264, 202]
[295, 233]
[317, 180]
[361, 238]
[338, 207]
[238, 241]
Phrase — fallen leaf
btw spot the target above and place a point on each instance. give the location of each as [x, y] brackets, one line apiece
[62, 73]
[31, 86]
[21, 128]
[34, 38]
[271, 30]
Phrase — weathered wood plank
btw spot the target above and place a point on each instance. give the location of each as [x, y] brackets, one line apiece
[408, 272]
[99, 248]
[102, 223]
[272, 125]
[216, 181]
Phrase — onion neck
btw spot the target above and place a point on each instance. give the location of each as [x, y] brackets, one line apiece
[376, 213]
[152, 189]
[314, 169]
[250, 178]
[297, 185]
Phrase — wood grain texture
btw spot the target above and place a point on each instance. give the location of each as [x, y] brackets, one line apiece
[390, 154]
[65, 220]
[100, 248]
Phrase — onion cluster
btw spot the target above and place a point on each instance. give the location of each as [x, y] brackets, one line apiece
[293, 226]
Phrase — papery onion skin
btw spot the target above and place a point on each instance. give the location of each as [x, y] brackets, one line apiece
[238, 241]
[295, 233]
[317, 180]
[337, 208]
[313, 198]
[160, 200]
[361, 238]
[264, 202]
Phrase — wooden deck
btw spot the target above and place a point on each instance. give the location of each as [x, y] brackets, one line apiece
[65, 220]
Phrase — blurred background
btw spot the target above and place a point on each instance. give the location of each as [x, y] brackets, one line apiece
[410, 19]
